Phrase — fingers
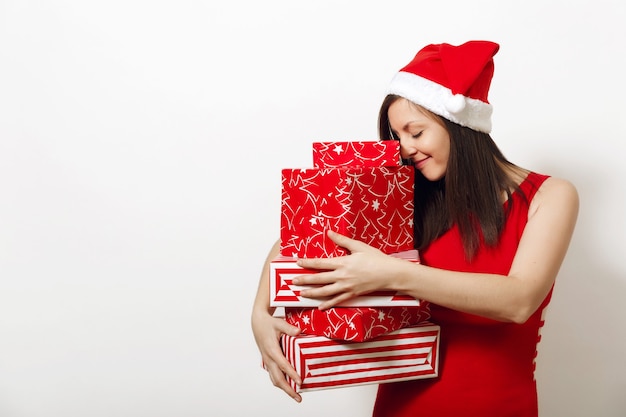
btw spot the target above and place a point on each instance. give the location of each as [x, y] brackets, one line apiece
[332, 263]
[327, 291]
[320, 286]
[320, 263]
[278, 374]
[283, 368]
[277, 364]
[288, 370]
[334, 301]
[284, 327]
[343, 241]
[319, 278]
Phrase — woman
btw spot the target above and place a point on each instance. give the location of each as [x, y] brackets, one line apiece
[492, 237]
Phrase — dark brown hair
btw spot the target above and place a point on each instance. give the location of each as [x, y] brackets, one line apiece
[470, 193]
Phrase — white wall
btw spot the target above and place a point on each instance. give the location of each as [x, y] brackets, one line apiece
[140, 150]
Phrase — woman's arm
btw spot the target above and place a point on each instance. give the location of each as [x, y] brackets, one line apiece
[544, 243]
[267, 331]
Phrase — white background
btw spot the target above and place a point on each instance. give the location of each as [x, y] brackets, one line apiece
[141, 144]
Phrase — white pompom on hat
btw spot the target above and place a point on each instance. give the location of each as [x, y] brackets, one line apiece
[451, 81]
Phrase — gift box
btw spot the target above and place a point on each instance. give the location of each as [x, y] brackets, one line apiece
[355, 324]
[356, 153]
[284, 293]
[370, 204]
[323, 363]
[357, 188]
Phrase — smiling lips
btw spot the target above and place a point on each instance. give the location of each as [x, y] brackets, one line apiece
[421, 162]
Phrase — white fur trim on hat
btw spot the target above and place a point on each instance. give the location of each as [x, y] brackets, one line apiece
[457, 108]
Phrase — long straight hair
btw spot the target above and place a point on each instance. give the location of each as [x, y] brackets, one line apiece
[470, 193]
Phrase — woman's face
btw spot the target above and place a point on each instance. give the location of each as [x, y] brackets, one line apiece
[423, 140]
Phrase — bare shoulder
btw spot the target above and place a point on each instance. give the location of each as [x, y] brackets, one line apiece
[556, 194]
[555, 187]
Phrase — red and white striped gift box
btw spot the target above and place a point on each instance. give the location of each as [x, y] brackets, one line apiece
[284, 293]
[322, 363]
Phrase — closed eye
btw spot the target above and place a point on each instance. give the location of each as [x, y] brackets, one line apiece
[417, 135]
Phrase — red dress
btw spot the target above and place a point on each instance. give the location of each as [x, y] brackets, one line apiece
[486, 367]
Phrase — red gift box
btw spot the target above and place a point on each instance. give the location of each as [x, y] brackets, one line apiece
[355, 324]
[363, 153]
[323, 363]
[370, 204]
[284, 293]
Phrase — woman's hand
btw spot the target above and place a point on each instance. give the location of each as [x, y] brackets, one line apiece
[267, 332]
[364, 270]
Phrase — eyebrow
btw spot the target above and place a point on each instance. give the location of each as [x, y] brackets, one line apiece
[414, 122]
[406, 127]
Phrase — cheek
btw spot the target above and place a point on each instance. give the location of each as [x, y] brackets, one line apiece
[443, 149]
[444, 155]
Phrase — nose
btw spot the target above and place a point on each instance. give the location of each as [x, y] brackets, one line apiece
[407, 148]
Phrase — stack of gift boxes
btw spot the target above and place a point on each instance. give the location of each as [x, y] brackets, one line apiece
[359, 189]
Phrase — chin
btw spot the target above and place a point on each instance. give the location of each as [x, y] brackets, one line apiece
[432, 170]
[430, 176]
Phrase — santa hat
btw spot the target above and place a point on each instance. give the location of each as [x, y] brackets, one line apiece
[451, 81]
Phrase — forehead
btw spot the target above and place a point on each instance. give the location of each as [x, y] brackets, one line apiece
[403, 111]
